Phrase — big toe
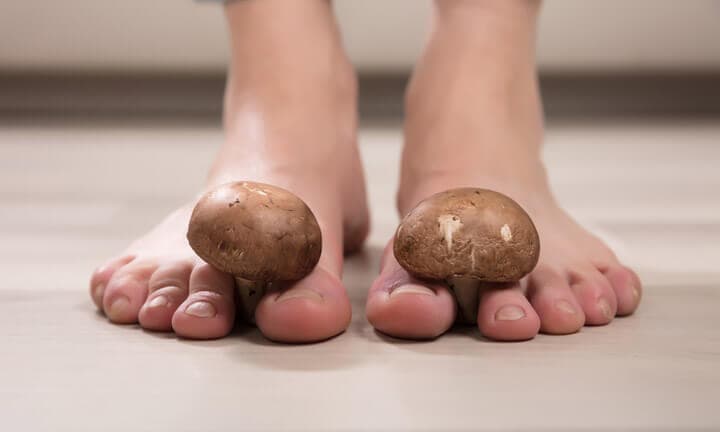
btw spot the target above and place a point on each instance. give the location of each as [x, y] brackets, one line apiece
[312, 309]
[404, 307]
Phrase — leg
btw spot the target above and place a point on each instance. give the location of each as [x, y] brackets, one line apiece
[474, 119]
[289, 115]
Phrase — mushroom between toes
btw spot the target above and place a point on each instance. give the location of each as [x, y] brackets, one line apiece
[259, 233]
[470, 238]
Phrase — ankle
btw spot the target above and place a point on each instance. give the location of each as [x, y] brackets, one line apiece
[287, 51]
[291, 90]
[501, 30]
[470, 11]
[473, 112]
[288, 124]
[313, 87]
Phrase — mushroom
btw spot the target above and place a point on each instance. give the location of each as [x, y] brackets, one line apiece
[470, 238]
[260, 234]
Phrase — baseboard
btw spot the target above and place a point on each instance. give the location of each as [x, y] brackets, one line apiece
[161, 96]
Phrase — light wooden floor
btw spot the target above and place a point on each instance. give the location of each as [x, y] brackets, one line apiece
[72, 195]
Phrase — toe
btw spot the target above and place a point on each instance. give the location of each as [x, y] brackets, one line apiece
[167, 289]
[506, 315]
[209, 310]
[404, 307]
[102, 275]
[554, 302]
[595, 295]
[312, 309]
[126, 291]
[627, 287]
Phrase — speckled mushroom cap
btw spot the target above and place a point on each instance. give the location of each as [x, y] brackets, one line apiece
[467, 232]
[255, 231]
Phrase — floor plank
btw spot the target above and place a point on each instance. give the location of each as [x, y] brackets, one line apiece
[73, 195]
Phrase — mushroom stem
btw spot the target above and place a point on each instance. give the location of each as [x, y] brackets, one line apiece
[249, 293]
[466, 292]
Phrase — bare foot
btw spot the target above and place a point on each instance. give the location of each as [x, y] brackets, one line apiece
[474, 119]
[290, 121]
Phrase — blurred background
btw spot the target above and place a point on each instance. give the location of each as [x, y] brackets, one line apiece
[135, 36]
[170, 55]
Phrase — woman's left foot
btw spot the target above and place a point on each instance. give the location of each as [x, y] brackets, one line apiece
[473, 118]
[578, 280]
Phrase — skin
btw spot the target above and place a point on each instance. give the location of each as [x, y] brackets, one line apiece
[272, 136]
[473, 119]
[475, 91]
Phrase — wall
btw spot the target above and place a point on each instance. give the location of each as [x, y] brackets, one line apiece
[183, 36]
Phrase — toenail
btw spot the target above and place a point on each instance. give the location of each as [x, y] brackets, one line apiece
[565, 306]
[412, 289]
[636, 294]
[509, 313]
[605, 308]
[118, 305]
[299, 293]
[201, 309]
[158, 301]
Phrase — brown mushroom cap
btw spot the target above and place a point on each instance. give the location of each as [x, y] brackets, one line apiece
[255, 231]
[470, 233]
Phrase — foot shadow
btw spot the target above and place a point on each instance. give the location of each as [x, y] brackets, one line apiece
[328, 354]
[360, 271]
[447, 343]
[400, 341]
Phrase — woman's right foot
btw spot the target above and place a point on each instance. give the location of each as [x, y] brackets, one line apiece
[290, 121]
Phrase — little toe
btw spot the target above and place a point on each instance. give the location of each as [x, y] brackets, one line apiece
[506, 315]
[209, 310]
[313, 309]
[167, 289]
[126, 291]
[627, 287]
[595, 295]
[554, 301]
[404, 307]
[102, 275]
